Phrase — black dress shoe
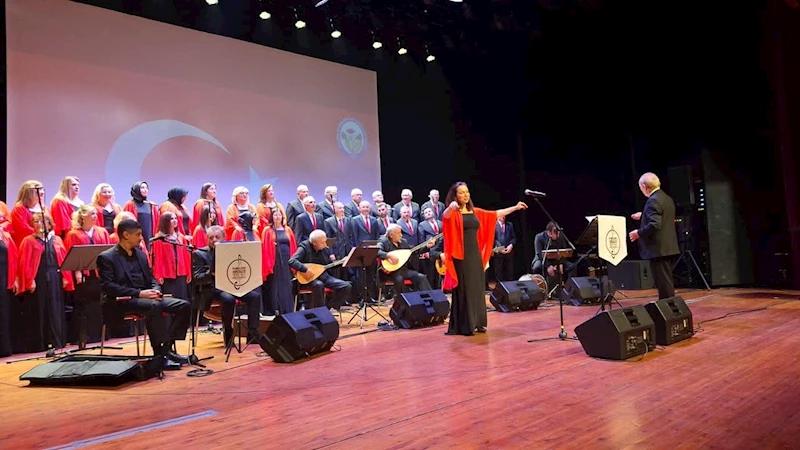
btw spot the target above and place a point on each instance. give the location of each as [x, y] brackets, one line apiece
[177, 358]
[169, 364]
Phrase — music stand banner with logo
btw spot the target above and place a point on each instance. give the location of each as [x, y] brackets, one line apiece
[237, 267]
[611, 244]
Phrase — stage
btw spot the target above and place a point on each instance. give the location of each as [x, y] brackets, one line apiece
[733, 385]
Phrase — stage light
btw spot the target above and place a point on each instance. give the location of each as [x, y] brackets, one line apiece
[430, 58]
[456, 1]
[212, 2]
[402, 51]
[376, 45]
[336, 34]
[265, 15]
[300, 24]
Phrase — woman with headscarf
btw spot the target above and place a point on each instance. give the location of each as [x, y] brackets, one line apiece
[176, 197]
[208, 198]
[145, 211]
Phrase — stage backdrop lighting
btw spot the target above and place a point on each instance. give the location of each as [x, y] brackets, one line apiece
[110, 97]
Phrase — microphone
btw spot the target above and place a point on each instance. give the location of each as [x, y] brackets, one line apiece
[535, 194]
[158, 238]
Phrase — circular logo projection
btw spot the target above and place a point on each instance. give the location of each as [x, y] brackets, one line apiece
[613, 242]
[351, 136]
[239, 272]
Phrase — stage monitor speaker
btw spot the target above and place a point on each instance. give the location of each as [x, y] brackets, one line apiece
[523, 295]
[582, 290]
[94, 370]
[617, 334]
[672, 319]
[631, 274]
[300, 334]
[419, 309]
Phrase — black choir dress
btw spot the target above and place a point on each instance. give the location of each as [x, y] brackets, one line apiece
[144, 215]
[5, 302]
[43, 313]
[282, 276]
[468, 305]
[108, 220]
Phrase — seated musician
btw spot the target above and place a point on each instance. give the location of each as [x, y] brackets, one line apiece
[203, 271]
[315, 250]
[128, 286]
[550, 239]
[391, 241]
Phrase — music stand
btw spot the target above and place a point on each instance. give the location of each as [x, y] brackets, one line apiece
[78, 259]
[364, 256]
[589, 238]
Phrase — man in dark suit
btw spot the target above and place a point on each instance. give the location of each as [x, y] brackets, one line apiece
[352, 208]
[426, 230]
[550, 239]
[365, 228]
[203, 271]
[658, 240]
[391, 241]
[503, 260]
[406, 195]
[384, 219]
[128, 286]
[434, 204]
[309, 221]
[326, 208]
[295, 207]
[314, 250]
[338, 227]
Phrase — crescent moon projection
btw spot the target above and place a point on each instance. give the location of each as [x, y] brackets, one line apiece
[129, 151]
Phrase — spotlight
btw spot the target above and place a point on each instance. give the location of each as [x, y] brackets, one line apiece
[402, 51]
[265, 15]
[376, 45]
[430, 58]
[336, 34]
[300, 24]
[212, 2]
[456, 1]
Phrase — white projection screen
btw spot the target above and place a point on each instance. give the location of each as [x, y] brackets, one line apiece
[110, 97]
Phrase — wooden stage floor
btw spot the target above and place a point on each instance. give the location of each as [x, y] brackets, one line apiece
[734, 385]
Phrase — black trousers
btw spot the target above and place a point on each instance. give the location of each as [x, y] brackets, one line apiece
[252, 301]
[163, 331]
[503, 267]
[419, 282]
[662, 276]
[341, 291]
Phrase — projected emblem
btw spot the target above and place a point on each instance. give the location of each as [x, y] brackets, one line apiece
[613, 242]
[239, 272]
[351, 137]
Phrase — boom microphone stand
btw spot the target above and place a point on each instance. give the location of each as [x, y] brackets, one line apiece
[562, 334]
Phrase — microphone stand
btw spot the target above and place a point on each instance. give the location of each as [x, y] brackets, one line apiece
[562, 334]
[50, 352]
[193, 359]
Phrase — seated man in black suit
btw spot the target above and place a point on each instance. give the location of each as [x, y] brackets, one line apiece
[391, 241]
[550, 239]
[315, 250]
[128, 286]
[203, 272]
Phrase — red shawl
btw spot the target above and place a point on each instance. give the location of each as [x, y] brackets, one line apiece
[21, 227]
[164, 260]
[12, 258]
[268, 249]
[130, 206]
[264, 213]
[198, 209]
[453, 229]
[100, 220]
[5, 215]
[232, 220]
[77, 236]
[199, 237]
[30, 255]
[62, 215]
[179, 213]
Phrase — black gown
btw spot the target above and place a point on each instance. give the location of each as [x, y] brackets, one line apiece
[5, 303]
[108, 220]
[144, 215]
[281, 275]
[468, 305]
[43, 314]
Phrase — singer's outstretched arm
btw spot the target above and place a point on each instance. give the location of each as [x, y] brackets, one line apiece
[506, 211]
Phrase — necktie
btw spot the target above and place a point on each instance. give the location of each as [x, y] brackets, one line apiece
[385, 222]
[436, 210]
[411, 230]
[341, 227]
[366, 222]
[435, 228]
[313, 220]
[503, 228]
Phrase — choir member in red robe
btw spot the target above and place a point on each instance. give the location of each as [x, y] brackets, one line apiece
[208, 218]
[8, 290]
[240, 203]
[145, 211]
[65, 203]
[42, 317]
[208, 197]
[468, 243]
[5, 216]
[278, 245]
[30, 201]
[114, 237]
[107, 208]
[176, 197]
[172, 264]
[266, 204]
[246, 230]
[87, 310]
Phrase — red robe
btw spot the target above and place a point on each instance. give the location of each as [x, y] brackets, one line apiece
[5, 216]
[264, 214]
[62, 215]
[79, 237]
[199, 237]
[12, 259]
[232, 220]
[179, 213]
[30, 255]
[268, 243]
[21, 227]
[130, 206]
[164, 260]
[198, 209]
[453, 229]
[100, 221]
[113, 238]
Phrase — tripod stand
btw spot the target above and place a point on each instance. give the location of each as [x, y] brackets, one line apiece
[606, 296]
[363, 257]
[690, 259]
